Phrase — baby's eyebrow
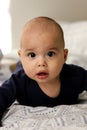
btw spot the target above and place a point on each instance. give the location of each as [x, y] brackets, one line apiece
[53, 48]
[30, 49]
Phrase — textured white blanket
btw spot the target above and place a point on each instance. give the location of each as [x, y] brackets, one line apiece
[63, 117]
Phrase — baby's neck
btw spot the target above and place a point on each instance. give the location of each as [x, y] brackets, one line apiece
[51, 89]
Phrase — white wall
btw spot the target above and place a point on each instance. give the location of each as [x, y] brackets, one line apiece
[62, 10]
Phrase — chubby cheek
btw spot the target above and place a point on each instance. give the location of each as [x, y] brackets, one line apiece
[28, 68]
[55, 71]
[56, 67]
[29, 71]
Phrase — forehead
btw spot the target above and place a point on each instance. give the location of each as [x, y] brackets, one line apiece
[41, 26]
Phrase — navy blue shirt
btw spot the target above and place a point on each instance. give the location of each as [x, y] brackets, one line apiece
[27, 92]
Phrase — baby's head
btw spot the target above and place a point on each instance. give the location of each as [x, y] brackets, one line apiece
[42, 50]
[42, 25]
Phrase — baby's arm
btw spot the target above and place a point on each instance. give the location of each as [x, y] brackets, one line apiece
[7, 96]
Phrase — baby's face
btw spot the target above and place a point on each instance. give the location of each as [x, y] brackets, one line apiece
[42, 56]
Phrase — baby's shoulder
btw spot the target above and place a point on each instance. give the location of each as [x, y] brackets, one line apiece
[19, 74]
[72, 70]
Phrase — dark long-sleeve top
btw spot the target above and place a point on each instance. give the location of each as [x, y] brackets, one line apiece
[27, 92]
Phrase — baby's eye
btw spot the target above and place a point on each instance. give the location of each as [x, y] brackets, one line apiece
[51, 53]
[32, 54]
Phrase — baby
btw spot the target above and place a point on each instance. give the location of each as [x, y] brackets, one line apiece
[43, 79]
[42, 54]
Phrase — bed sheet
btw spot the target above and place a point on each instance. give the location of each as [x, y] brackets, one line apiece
[63, 117]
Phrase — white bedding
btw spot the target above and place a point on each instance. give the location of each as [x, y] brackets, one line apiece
[63, 117]
[75, 34]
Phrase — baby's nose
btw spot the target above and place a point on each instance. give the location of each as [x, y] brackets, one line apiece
[42, 62]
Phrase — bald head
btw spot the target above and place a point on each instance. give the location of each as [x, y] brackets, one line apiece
[42, 24]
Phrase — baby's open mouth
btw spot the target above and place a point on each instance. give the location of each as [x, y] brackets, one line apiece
[42, 75]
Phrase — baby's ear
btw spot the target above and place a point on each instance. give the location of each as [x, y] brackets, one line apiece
[65, 54]
[19, 52]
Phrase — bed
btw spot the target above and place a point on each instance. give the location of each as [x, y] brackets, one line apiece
[63, 117]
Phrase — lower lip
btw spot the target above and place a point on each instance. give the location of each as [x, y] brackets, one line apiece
[44, 76]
